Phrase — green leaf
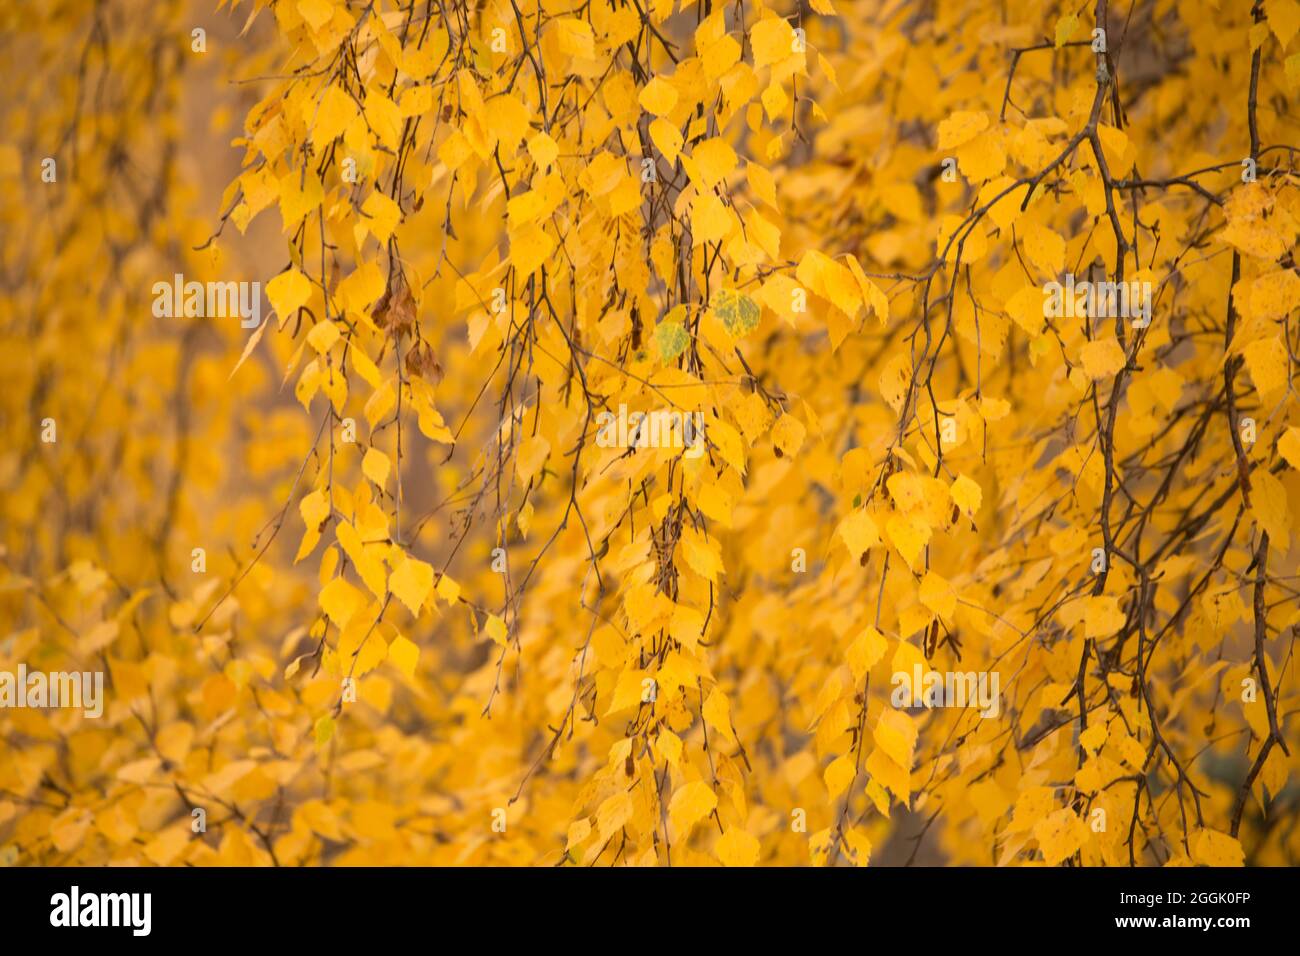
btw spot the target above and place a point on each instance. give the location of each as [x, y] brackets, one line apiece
[738, 312]
[670, 334]
[324, 730]
[1066, 28]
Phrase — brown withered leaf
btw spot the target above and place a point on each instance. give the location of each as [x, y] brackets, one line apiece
[395, 310]
[422, 362]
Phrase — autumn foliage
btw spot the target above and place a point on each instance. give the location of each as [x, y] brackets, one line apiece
[385, 581]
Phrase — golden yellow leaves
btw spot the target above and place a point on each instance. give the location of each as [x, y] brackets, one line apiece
[690, 804]
[960, 128]
[667, 139]
[658, 97]
[845, 287]
[788, 435]
[710, 162]
[737, 847]
[1268, 503]
[773, 42]
[404, 654]
[1101, 358]
[895, 734]
[341, 601]
[717, 714]
[909, 535]
[1288, 446]
[867, 649]
[966, 495]
[411, 582]
[1213, 848]
[1060, 835]
[1256, 224]
[938, 595]
[711, 220]
[838, 775]
[1101, 615]
[859, 533]
[978, 474]
[702, 553]
[299, 195]
[573, 37]
[1283, 19]
[287, 292]
[1045, 248]
[979, 149]
[381, 215]
[1268, 364]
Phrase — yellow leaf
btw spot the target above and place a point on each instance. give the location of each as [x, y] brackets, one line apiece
[960, 128]
[717, 713]
[888, 774]
[317, 13]
[859, 533]
[714, 160]
[838, 775]
[579, 830]
[323, 335]
[772, 40]
[1267, 362]
[529, 248]
[710, 220]
[340, 601]
[404, 654]
[1288, 446]
[411, 582]
[543, 149]
[1060, 835]
[909, 534]
[382, 215]
[1104, 617]
[667, 139]
[614, 811]
[1283, 19]
[895, 734]
[1212, 848]
[1101, 358]
[690, 804]
[448, 589]
[575, 37]
[1268, 503]
[1044, 248]
[658, 97]
[866, 650]
[938, 595]
[966, 495]
[702, 553]
[336, 111]
[496, 629]
[1066, 27]
[788, 435]
[375, 466]
[530, 458]
[1093, 737]
[737, 847]
[287, 291]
